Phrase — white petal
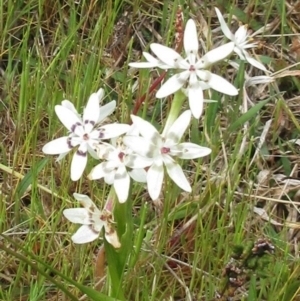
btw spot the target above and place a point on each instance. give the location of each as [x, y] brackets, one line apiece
[178, 128]
[85, 234]
[176, 174]
[57, 146]
[167, 55]
[146, 129]
[152, 59]
[67, 104]
[101, 170]
[133, 131]
[143, 64]
[138, 175]
[84, 200]
[92, 110]
[77, 215]
[196, 100]
[61, 156]
[112, 237]
[241, 36]
[100, 93]
[240, 52]
[190, 39]
[256, 80]
[106, 110]
[220, 84]
[255, 63]
[91, 150]
[122, 183]
[140, 145]
[192, 150]
[110, 177]
[137, 161]
[216, 55]
[67, 117]
[173, 84]
[113, 130]
[228, 34]
[78, 165]
[155, 178]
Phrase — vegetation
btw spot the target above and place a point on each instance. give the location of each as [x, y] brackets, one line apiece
[235, 237]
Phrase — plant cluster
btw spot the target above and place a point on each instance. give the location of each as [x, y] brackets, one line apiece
[139, 152]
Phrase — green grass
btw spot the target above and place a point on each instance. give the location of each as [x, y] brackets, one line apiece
[174, 249]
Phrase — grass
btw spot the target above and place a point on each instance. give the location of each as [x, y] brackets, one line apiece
[182, 247]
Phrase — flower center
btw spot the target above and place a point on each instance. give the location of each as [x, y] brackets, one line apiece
[85, 137]
[121, 156]
[192, 68]
[165, 150]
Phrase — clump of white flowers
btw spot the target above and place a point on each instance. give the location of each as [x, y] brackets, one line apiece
[140, 152]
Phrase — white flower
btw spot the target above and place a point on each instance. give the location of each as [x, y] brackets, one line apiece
[194, 74]
[241, 40]
[114, 171]
[92, 220]
[83, 131]
[161, 148]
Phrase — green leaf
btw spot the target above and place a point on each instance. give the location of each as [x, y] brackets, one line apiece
[248, 115]
[28, 178]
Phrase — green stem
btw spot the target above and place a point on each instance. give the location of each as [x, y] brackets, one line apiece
[176, 107]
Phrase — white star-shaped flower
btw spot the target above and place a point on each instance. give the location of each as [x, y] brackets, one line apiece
[161, 149]
[84, 131]
[241, 40]
[115, 169]
[92, 220]
[194, 77]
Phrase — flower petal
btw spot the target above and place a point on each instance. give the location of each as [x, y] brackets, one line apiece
[177, 129]
[254, 62]
[190, 38]
[57, 146]
[216, 55]
[146, 129]
[228, 34]
[144, 64]
[152, 59]
[92, 110]
[101, 170]
[140, 145]
[77, 215]
[106, 110]
[220, 84]
[84, 234]
[192, 150]
[155, 178]
[78, 164]
[241, 35]
[112, 237]
[113, 130]
[84, 200]
[176, 174]
[138, 175]
[136, 161]
[67, 104]
[67, 117]
[61, 156]
[122, 183]
[195, 95]
[173, 84]
[151, 62]
[167, 55]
